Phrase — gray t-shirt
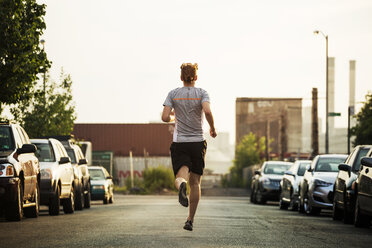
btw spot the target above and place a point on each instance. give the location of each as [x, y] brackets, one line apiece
[187, 105]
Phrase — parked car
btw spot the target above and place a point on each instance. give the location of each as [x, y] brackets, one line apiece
[266, 182]
[82, 193]
[363, 188]
[19, 173]
[344, 195]
[289, 184]
[57, 176]
[316, 187]
[101, 184]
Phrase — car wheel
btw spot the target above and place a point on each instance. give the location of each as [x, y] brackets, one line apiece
[69, 204]
[14, 211]
[301, 203]
[336, 212]
[55, 202]
[79, 198]
[309, 209]
[259, 197]
[33, 212]
[360, 220]
[282, 205]
[348, 215]
[87, 198]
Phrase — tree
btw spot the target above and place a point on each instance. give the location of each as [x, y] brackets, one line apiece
[248, 153]
[49, 114]
[363, 129]
[21, 58]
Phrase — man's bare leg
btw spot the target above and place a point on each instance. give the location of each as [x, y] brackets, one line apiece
[181, 185]
[194, 183]
[182, 176]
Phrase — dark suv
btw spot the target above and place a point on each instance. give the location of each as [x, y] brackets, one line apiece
[19, 173]
[363, 187]
[344, 194]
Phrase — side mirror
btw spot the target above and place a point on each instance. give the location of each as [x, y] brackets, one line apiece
[64, 160]
[27, 148]
[344, 167]
[366, 161]
[83, 161]
[257, 172]
[289, 173]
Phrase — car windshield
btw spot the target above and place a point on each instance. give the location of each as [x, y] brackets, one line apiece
[329, 164]
[96, 174]
[44, 152]
[362, 153]
[71, 154]
[6, 139]
[302, 169]
[276, 169]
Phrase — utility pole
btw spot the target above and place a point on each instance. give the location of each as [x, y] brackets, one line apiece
[314, 124]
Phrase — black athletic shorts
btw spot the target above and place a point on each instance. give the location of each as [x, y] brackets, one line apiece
[191, 154]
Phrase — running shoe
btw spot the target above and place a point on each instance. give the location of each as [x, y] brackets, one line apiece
[188, 225]
[182, 195]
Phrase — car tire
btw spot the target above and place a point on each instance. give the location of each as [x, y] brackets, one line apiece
[360, 220]
[301, 203]
[282, 205]
[308, 208]
[69, 203]
[14, 210]
[348, 215]
[79, 198]
[55, 202]
[87, 198]
[260, 199]
[336, 212]
[33, 212]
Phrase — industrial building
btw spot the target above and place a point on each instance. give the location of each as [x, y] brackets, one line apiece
[277, 119]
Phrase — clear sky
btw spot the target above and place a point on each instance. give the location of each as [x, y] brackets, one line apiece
[125, 56]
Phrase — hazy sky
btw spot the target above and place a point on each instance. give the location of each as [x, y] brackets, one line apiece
[125, 56]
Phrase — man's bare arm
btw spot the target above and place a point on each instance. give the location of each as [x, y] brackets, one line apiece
[167, 113]
[209, 117]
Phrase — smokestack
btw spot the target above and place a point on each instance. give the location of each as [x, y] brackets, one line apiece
[352, 84]
[314, 125]
[331, 92]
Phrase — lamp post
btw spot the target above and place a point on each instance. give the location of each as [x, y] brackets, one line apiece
[326, 134]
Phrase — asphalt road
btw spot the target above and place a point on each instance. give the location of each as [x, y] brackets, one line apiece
[157, 221]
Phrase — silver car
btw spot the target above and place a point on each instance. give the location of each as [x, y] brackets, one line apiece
[316, 188]
[289, 185]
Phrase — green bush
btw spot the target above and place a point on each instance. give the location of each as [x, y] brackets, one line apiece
[158, 178]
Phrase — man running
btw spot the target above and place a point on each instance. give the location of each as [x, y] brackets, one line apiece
[188, 147]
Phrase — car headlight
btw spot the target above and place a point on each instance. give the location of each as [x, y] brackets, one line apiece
[6, 170]
[265, 181]
[46, 174]
[98, 186]
[321, 183]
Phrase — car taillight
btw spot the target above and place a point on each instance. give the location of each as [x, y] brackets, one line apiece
[9, 170]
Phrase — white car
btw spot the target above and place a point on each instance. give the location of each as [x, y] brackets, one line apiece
[289, 184]
[57, 176]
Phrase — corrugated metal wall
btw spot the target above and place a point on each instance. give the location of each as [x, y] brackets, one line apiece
[121, 138]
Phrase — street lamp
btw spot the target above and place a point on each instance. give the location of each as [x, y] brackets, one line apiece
[326, 134]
